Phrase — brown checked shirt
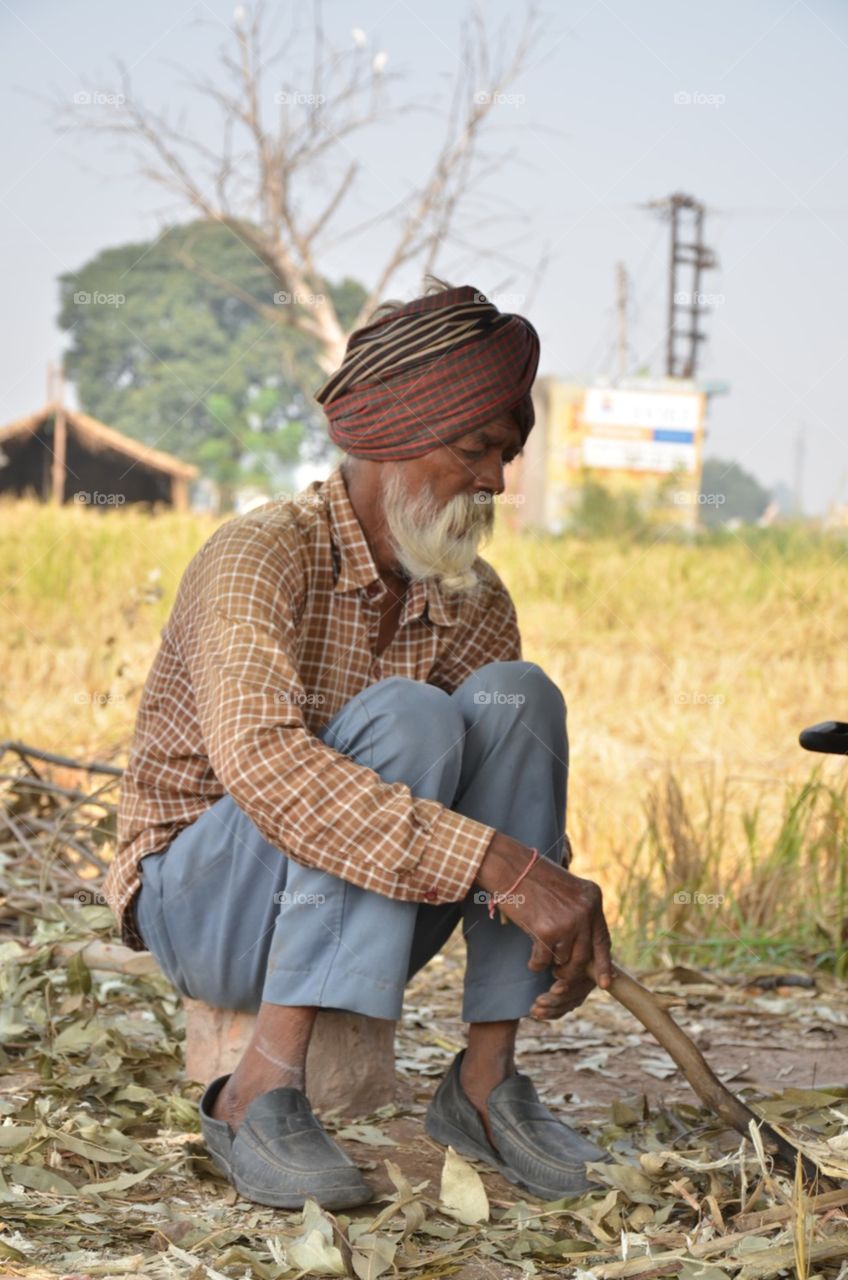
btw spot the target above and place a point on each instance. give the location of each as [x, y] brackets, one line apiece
[274, 628]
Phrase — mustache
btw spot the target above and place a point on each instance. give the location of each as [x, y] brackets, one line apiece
[467, 511]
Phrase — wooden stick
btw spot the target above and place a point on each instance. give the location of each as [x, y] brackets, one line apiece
[111, 957]
[19, 835]
[54, 829]
[25, 782]
[644, 1006]
[750, 1222]
[51, 757]
[763, 1263]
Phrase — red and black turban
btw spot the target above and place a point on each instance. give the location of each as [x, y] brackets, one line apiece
[428, 373]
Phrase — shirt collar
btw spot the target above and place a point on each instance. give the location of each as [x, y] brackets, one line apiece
[356, 567]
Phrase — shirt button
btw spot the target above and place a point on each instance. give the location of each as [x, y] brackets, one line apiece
[377, 670]
[430, 895]
[372, 589]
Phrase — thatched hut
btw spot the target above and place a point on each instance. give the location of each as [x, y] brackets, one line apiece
[61, 455]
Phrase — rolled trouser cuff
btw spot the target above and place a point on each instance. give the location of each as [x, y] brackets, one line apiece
[351, 991]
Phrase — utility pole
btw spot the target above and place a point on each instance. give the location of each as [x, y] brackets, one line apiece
[688, 259]
[58, 467]
[621, 285]
[800, 452]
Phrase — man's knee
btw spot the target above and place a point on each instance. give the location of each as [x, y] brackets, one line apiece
[423, 716]
[407, 698]
[516, 683]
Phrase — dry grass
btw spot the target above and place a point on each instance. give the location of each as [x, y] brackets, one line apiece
[688, 670]
[84, 595]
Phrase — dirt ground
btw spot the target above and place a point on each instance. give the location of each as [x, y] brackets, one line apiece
[757, 1041]
[103, 1173]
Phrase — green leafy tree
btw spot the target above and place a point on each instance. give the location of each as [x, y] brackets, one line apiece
[601, 513]
[728, 492]
[167, 344]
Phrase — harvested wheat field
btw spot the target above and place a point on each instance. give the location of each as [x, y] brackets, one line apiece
[689, 671]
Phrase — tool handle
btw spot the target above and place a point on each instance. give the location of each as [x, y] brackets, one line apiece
[645, 1007]
[831, 736]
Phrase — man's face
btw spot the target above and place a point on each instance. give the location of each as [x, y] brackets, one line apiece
[439, 507]
[472, 464]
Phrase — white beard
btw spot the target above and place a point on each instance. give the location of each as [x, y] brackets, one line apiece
[436, 542]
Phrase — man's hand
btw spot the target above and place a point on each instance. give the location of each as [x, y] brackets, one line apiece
[562, 913]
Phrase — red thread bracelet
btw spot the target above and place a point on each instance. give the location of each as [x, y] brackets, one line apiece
[495, 898]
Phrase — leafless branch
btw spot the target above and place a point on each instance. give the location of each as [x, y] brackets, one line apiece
[283, 169]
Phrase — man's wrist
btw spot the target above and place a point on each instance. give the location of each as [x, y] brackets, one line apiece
[504, 859]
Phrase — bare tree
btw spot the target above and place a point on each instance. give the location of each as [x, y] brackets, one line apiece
[278, 148]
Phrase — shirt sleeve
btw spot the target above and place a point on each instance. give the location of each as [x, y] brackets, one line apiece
[315, 804]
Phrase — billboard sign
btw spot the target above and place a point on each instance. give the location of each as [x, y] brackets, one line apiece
[648, 431]
[680, 410]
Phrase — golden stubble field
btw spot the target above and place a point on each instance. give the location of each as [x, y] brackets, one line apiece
[688, 671]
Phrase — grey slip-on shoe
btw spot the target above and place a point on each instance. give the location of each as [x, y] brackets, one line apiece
[281, 1153]
[535, 1150]
[217, 1134]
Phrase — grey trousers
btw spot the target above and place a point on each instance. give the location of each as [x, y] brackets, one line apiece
[233, 921]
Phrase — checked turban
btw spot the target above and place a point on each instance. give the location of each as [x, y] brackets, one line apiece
[429, 372]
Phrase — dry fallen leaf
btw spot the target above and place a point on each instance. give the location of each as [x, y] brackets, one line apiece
[462, 1194]
[314, 1251]
[373, 1255]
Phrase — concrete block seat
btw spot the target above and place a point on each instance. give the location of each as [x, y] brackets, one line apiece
[350, 1064]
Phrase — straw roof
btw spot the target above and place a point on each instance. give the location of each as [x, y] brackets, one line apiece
[97, 437]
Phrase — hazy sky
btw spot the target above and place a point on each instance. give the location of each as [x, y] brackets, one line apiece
[600, 129]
